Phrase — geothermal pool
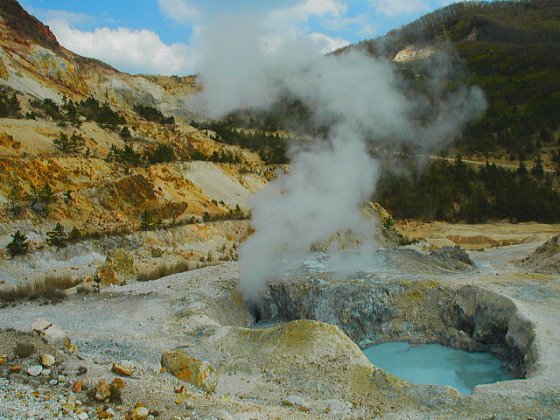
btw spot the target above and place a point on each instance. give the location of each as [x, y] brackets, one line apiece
[434, 364]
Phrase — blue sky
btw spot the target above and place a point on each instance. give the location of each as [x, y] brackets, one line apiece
[167, 36]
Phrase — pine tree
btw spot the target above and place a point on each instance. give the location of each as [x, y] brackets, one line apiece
[70, 144]
[19, 244]
[57, 237]
[14, 197]
[46, 195]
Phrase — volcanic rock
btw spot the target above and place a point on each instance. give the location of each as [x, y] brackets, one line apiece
[35, 370]
[140, 413]
[455, 257]
[546, 258]
[102, 391]
[122, 264]
[196, 372]
[51, 333]
[106, 275]
[47, 360]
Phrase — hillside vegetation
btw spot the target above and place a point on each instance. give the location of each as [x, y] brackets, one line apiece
[511, 49]
[90, 154]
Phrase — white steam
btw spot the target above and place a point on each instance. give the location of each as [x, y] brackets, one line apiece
[329, 180]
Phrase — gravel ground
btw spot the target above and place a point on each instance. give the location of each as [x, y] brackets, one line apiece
[133, 325]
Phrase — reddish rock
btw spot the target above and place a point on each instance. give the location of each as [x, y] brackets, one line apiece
[77, 387]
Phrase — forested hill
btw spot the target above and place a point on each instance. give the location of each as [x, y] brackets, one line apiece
[511, 49]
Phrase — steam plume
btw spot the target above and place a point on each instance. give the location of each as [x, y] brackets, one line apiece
[361, 96]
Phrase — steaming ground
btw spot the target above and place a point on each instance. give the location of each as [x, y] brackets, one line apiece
[358, 96]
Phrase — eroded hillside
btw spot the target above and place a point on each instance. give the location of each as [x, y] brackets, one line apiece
[109, 160]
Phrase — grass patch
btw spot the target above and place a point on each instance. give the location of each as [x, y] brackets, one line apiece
[50, 288]
[167, 270]
[24, 350]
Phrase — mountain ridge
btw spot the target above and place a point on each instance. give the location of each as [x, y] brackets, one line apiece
[32, 61]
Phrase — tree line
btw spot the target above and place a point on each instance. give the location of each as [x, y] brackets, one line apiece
[272, 148]
[455, 191]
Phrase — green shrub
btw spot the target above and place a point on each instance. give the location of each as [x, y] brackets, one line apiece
[24, 350]
[58, 236]
[18, 245]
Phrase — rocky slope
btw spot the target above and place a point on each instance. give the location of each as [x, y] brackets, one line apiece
[156, 203]
[33, 62]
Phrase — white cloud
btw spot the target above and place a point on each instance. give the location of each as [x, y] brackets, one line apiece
[327, 44]
[178, 10]
[400, 7]
[135, 51]
[302, 11]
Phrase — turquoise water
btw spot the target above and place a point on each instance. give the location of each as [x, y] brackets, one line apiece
[434, 364]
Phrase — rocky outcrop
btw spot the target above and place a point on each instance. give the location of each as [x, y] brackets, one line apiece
[370, 312]
[319, 360]
[546, 258]
[455, 257]
[32, 61]
[26, 26]
[188, 369]
[4, 74]
[122, 263]
[494, 321]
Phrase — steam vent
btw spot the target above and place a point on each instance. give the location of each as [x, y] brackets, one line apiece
[253, 213]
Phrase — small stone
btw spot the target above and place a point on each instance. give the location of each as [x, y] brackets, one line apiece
[101, 414]
[111, 412]
[77, 387]
[35, 370]
[117, 383]
[102, 391]
[40, 325]
[47, 360]
[69, 408]
[46, 372]
[57, 336]
[83, 416]
[53, 382]
[295, 401]
[121, 370]
[140, 413]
